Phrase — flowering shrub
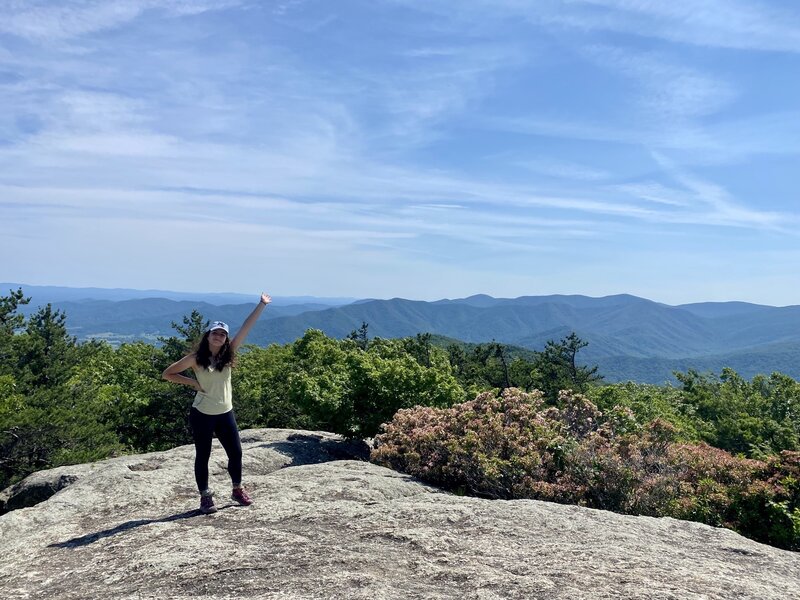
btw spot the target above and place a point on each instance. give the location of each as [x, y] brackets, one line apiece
[510, 445]
[771, 509]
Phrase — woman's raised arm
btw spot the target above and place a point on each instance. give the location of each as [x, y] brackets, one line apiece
[241, 335]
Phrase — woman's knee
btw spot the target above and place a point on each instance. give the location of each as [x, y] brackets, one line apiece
[234, 451]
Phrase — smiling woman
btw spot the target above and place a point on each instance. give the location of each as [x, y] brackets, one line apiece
[212, 411]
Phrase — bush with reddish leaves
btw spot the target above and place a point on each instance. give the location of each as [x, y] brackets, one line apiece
[511, 445]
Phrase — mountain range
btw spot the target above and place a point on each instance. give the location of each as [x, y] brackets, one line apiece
[630, 338]
[42, 294]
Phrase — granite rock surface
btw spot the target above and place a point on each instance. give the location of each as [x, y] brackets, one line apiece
[327, 525]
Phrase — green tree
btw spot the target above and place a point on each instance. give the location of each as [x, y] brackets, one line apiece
[46, 352]
[649, 403]
[420, 348]
[189, 331]
[360, 336]
[146, 412]
[10, 320]
[45, 419]
[387, 378]
[523, 374]
[557, 368]
[755, 418]
[318, 382]
[486, 366]
[262, 389]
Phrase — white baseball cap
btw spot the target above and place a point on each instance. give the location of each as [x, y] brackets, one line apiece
[218, 325]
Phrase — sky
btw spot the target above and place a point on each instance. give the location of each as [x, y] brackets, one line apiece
[420, 149]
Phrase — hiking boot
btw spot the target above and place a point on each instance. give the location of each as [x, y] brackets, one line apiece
[240, 496]
[207, 503]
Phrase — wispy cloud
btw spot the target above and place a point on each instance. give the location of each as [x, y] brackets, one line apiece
[40, 20]
[721, 208]
[736, 24]
[666, 91]
[562, 170]
[436, 85]
[717, 23]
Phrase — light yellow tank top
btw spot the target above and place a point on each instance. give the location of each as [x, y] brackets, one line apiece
[217, 396]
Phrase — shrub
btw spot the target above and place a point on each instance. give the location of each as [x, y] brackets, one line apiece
[510, 445]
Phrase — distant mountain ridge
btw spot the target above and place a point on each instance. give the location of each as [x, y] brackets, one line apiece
[42, 294]
[626, 325]
[629, 337]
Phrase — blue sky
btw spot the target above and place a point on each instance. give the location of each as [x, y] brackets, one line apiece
[421, 149]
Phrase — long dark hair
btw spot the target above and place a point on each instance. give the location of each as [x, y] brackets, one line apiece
[226, 356]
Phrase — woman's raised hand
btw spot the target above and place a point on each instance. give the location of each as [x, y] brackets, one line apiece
[266, 298]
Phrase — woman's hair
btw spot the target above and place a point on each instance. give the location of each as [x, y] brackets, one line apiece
[226, 356]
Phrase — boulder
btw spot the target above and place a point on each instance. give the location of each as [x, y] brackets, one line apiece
[328, 525]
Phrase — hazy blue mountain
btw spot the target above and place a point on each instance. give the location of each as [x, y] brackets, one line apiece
[43, 294]
[150, 318]
[772, 358]
[625, 324]
[723, 309]
[629, 337]
[761, 327]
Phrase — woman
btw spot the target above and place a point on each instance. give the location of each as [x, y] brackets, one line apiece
[212, 410]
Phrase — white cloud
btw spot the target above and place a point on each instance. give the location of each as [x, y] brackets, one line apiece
[667, 91]
[737, 24]
[40, 20]
[717, 23]
[720, 208]
[562, 169]
[654, 192]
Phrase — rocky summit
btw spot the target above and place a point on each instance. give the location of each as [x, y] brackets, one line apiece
[327, 524]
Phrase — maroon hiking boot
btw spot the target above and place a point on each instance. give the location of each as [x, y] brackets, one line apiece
[240, 496]
[207, 503]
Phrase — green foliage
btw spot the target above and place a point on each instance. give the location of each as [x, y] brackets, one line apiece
[337, 385]
[755, 418]
[556, 368]
[386, 378]
[650, 402]
[360, 336]
[62, 402]
[44, 421]
[47, 421]
[497, 366]
[145, 412]
[10, 321]
[261, 389]
[485, 366]
[421, 349]
[45, 353]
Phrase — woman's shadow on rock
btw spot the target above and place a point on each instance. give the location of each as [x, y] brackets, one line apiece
[90, 538]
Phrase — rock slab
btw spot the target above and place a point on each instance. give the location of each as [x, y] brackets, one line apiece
[327, 527]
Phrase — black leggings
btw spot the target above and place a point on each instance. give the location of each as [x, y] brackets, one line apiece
[224, 427]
